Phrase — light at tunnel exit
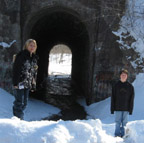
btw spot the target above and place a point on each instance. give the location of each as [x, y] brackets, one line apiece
[60, 60]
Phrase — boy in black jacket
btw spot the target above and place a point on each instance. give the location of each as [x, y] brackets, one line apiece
[122, 102]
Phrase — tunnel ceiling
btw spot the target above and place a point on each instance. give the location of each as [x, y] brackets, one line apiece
[61, 27]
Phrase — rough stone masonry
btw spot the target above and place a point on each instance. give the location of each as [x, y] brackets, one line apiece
[84, 25]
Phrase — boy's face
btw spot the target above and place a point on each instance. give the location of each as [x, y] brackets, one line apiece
[123, 77]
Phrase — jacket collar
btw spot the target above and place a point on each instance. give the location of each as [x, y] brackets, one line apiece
[28, 53]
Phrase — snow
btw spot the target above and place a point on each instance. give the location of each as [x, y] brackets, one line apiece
[99, 110]
[6, 45]
[98, 128]
[131, 25]
[16, 131]
[60, 60]
[60, 64]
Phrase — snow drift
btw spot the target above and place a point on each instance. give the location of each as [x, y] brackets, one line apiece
[90, 131]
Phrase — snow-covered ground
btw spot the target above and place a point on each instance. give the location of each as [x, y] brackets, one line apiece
[36, 110]
[98, 128]
[60, 60]
[60, 64]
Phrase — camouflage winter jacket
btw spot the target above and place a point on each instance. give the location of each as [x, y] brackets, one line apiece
[25, 70]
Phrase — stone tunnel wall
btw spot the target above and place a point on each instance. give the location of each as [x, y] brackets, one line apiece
[9, 32]
[100, 17]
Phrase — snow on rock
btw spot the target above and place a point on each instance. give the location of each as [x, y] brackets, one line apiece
[36, 110]
[131, 25]
[6, 45]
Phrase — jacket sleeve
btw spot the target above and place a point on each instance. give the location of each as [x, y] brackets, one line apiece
[35, 74]
[131, 101]
[17, 66]
[112, 99]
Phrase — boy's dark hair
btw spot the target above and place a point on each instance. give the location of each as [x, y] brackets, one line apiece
[124, 71]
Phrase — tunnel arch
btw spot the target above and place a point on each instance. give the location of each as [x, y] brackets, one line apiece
[52, 26]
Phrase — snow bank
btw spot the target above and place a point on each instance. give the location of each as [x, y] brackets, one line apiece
[36, 110]
[135, 130]
[16, 131]
[100, 110]
[90, 131]
[139, 98]
[6, 45]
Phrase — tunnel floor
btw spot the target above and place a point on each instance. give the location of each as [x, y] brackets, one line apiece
[74, 112]
[58, 93]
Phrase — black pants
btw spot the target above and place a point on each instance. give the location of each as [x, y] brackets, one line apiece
[20, 103]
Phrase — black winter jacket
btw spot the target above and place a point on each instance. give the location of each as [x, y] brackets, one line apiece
[25, 70]
[122, 97]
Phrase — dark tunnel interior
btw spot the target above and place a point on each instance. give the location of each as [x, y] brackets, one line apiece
[62, 27]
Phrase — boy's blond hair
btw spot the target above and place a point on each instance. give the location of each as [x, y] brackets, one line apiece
[28, 42]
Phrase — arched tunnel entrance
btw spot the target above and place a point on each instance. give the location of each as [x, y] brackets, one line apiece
[62, 26]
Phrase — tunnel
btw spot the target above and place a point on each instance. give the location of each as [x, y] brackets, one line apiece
[62, 26]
